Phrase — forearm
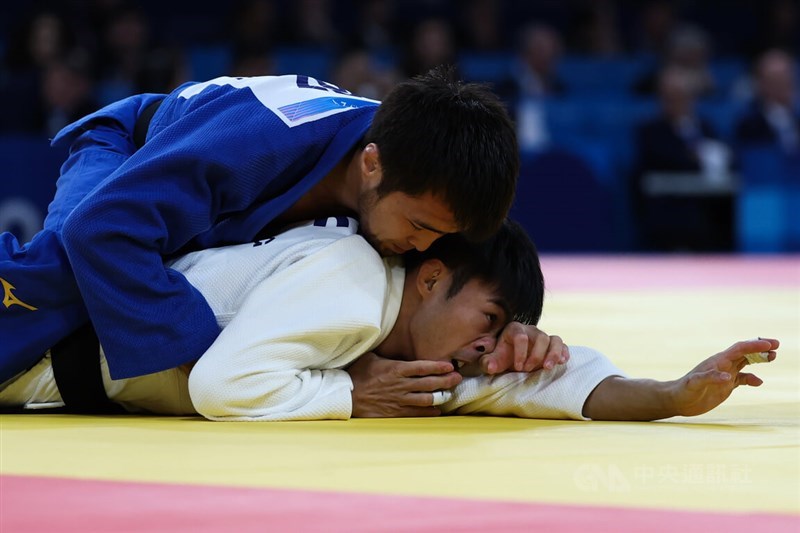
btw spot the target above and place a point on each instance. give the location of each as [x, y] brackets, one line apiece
[617, 398]
[274, 396]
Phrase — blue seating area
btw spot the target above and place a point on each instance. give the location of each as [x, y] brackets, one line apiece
[563, 205]
[29, 173]
[585, 168]
[768, 210]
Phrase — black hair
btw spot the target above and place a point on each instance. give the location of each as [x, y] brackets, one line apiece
[436, 134]
[508, 260]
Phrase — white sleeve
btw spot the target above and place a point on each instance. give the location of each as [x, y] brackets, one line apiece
[550, 394]
[281, 355]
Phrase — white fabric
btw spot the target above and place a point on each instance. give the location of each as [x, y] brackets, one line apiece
[226, 277]
[161, 393]
[551, 394]
[281, 352]
[280, 357]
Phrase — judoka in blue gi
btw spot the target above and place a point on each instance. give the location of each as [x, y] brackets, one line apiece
[214, 163]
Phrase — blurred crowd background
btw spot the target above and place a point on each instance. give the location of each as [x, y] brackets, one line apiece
[644, 125]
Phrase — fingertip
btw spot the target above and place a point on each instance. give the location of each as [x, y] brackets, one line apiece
[724, 376]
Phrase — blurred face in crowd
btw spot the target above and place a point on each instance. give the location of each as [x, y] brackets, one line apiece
[542, 49]
[776, 78]
[675, 91]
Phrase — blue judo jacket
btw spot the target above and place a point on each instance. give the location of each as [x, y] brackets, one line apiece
[221, 160]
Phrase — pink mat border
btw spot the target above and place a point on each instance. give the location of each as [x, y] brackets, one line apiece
[32, 504]
[636, 272]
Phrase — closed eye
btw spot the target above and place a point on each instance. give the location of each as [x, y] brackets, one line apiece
[422, 226]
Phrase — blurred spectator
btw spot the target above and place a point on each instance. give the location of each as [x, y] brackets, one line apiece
[678, 144]
[656, 23]
[594, 30]
[357, 72]
[480, 26]
[130, 59]
[67, 92]
[689, 48]
[312, 24]
[533, 78]
[779, 28]
[251, 62]
[37, 43]
[773, 117]
[535, 72]
[254, 26]
[432, 44]
[375, 29]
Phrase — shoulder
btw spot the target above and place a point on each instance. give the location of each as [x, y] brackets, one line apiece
[294, 99]
[339, 249]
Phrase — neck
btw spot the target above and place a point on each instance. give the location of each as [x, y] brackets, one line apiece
[336, 194]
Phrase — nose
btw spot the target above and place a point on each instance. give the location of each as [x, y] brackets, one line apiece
[485, 344]
[422, 242]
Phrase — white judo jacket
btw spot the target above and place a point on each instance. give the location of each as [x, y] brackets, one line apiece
[295, 310]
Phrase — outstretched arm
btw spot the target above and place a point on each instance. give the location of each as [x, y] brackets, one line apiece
[701, 390]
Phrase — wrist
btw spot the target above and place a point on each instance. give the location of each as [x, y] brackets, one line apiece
[668, 392]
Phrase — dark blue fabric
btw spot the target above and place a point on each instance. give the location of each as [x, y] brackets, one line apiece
[220, 163]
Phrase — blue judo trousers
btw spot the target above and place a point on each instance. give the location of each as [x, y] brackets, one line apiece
[222, 159]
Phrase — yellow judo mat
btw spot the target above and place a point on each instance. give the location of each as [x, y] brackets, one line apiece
[740, 460]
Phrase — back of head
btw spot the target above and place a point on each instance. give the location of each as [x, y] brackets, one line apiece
[456, 140]
[508, 260]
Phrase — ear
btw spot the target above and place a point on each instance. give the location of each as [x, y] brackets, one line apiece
[429, 277]
[371, 165]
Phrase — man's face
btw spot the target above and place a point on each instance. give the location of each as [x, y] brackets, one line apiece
[397, 223]
[459, 329]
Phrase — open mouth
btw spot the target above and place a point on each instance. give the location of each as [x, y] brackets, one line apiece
[457, 364]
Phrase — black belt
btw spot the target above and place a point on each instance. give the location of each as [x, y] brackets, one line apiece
[76, 369]
[143, 124]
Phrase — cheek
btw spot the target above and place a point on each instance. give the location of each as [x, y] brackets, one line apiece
[455, 331]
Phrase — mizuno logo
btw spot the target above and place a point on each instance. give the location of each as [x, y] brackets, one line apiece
[9, 299]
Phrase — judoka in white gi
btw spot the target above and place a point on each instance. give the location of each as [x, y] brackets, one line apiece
[298, 308]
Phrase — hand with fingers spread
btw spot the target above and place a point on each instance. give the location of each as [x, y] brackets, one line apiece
[701, 390]
[712, 381]
[524, 348]
[388, 388]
